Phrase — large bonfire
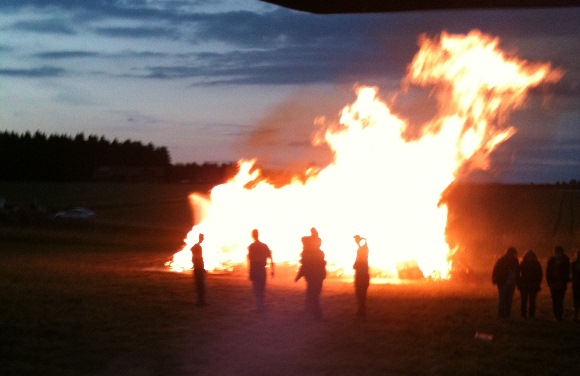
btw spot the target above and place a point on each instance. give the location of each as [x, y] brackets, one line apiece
[381, 184]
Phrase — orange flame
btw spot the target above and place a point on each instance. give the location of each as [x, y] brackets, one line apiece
[380, 185]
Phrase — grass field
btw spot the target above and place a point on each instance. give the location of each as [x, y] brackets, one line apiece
[94, 299]
[95, 313]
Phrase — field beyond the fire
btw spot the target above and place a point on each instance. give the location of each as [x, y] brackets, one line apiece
[93, 298]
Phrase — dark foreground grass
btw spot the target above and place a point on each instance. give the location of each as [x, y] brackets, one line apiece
[82, 311]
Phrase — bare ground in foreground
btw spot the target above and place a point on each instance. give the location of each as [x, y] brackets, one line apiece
[90, 312]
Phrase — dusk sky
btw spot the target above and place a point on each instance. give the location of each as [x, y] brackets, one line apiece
[218, 80]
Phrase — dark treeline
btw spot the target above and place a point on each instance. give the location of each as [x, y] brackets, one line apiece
[80, 158]
[38, 157]
[210, 173]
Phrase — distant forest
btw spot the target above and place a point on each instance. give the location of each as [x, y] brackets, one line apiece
[38, 157]
[80, 158]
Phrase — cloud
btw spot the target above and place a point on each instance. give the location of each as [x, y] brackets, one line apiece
[40, 72]
[51, 26]
[553, 162]
[281, 66]
[279, 46]
[282, 47]
[62, 4]
[543, 157]
[82, 54]
[57, 55]
[295, 65]
[280, 24]
[138, 32]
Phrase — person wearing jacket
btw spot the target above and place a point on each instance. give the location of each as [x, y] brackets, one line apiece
[313, 269]
[258, 255]
[529, 281]
[575, 269]
[504, 275]
[198, 271]
[361, 274]
[558, 276]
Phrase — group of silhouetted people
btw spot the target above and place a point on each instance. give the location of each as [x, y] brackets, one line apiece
[312, 268]
[509, 273]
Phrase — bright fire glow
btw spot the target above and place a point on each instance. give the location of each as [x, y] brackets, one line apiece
[380, 185]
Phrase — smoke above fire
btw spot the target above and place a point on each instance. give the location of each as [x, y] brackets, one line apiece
[384, 183]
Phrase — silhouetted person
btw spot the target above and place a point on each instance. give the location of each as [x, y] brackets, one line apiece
[361, 275]
[504, 275]
[313, 269]
[575, 269]
[258, 256]
[529, 282]
[558, 276]
[198, 271]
